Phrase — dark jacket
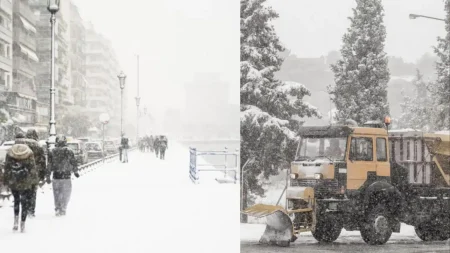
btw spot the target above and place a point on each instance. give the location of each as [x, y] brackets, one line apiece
[163, 143]
[124, 143]
[62, 162]
[20, 153]
[39, 156]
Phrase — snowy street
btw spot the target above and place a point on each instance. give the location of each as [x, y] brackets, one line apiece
[147, 205]
[348, 242]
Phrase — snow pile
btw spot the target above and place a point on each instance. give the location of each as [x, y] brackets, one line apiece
[147, 205]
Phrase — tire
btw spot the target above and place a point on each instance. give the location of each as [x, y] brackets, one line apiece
[327, 230]
[431, 233]
[376, 229]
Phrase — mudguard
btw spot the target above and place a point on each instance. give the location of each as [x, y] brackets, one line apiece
[279, 228]
[386, 193]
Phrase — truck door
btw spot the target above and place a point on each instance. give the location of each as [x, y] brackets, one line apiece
[382, 157]
[360, 161]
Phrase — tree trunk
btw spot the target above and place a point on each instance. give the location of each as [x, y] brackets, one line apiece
[244, 192]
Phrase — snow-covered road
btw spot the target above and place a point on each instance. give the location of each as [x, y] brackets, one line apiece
[348, 241]
[147, 205]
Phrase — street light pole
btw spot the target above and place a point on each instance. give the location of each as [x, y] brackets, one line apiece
[414, 16]
[137, 101]
[52, 7]
[122, 78]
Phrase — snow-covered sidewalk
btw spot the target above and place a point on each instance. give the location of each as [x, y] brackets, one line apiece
[147, 205]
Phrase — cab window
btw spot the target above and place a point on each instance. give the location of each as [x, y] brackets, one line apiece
[361, 149]
[381, 149]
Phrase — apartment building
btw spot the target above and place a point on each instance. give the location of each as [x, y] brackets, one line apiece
[63, 96]
[5, 51]
[22, 99]
[102, 68]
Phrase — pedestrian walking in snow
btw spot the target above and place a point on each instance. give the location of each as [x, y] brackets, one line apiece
[156, 146]
[151, 143]
[125, 146]
[62, 164]
[20, 175]
[31, 140]
[163, 145]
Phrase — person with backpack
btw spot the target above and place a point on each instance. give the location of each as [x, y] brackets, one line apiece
[163, 145]
[31, 140]
[20, 175]
[62, 163]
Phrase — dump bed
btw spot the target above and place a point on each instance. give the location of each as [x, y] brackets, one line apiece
[425, 156]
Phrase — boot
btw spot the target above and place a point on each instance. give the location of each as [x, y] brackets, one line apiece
[22, 226]
[16, 223]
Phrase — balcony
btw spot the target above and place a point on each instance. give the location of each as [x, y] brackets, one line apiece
[25, 11]
[24, 65]
[5, 61]
[25, 39]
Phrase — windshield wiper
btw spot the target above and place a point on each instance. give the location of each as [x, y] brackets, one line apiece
[326, 157]
[302, 158]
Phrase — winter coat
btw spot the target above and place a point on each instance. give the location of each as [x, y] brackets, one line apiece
[163, 143]
[20, 153]
[39, 156]
[124, 143]
[62, 162]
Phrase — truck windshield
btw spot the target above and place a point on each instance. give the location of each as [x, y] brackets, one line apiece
[328, 148]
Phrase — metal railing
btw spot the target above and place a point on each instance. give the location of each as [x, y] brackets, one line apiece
[194, 166]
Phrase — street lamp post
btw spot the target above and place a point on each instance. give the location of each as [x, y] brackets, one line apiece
[104, 119]
[122, 78]
[414, 16]
[52, 7]
[138, 99]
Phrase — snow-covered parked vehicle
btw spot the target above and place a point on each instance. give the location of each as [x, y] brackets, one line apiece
[363, 179]
[94, 150]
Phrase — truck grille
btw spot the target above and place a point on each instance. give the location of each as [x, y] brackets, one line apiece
[320, 186]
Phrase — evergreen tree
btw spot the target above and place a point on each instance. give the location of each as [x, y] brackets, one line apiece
[417, 111]
[441, 88]
[271, 110]
[361, 76]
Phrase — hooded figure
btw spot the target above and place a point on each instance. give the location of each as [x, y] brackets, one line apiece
[20, 175]
[62, 164]
[163, 145]
[31, 141]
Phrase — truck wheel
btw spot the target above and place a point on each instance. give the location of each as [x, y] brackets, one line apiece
[376, 230]
[430, 233]
[327, 230]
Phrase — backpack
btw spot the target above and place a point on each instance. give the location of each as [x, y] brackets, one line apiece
[19, 172]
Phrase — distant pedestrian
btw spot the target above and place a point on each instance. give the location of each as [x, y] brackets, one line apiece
[156, 145]
[20, 175]
[163, 145]
[62, 164]
[31, 140]
[125, 146]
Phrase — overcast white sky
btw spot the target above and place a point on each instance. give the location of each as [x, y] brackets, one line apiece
[174, 39]
[311, 28]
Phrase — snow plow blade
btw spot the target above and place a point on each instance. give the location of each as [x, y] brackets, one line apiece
[279, 229]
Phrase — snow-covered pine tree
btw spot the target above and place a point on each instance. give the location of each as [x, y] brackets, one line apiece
[441, 88]
[417, 111]
[361, 76]
[271, 110]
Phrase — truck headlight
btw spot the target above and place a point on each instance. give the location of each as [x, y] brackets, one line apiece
[318, 176]
[294, 175]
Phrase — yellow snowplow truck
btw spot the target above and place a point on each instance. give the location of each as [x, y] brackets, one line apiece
[363, 178]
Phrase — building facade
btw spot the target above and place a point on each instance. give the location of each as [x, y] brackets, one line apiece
[63, 96]
[22, 99]
[5, 51]
[103, 90]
